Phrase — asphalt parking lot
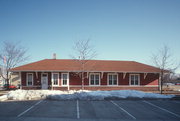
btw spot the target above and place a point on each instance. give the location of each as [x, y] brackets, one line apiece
[110, 110]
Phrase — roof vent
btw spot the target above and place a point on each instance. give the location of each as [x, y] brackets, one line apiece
[54, 55]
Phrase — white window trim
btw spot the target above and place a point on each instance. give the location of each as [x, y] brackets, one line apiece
[90, 79]
[138, 79]
[108, 79]
[62, 80]
[27, 79]
[52, 79]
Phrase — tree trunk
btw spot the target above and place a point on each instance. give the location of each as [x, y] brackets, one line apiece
[82, 81]
[161, 83]
[7, 81]
[7, 84]
[161, 87]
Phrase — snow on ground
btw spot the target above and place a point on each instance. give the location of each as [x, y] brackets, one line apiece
[81, 95]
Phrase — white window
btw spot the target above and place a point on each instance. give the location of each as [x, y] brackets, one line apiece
[94, 79]
[64, 79]
[29, 79]
[112, 79]
[55, 79]
[134, 79]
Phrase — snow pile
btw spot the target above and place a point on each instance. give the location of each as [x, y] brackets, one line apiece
[81, 95]
[102, 95]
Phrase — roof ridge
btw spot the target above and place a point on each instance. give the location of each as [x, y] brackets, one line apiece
[93, 60]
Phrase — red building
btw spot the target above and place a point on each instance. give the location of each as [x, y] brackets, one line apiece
[64, 74]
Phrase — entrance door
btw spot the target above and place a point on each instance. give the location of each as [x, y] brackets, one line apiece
[44, 81]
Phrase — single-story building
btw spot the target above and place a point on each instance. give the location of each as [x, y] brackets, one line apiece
[64, 74]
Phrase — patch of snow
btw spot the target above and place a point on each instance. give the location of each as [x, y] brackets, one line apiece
[81, 95]
[3, 98]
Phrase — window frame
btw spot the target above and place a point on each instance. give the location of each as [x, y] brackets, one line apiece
[52, 79]
[27, 79]
[134, 80]
[112, 80]
[62, 80]
[94, 80]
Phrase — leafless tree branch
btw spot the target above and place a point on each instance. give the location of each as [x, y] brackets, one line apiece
[11, 55]
[83, 53]
[164, 60]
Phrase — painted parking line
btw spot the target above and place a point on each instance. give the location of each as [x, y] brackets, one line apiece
[123, 110]
[162, 109]
[77, 107]
[29, 108]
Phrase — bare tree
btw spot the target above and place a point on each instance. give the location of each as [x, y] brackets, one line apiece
[11, 55]
[165, 62]
[83, 53]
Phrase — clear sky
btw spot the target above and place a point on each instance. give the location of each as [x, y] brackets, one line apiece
[118, 29]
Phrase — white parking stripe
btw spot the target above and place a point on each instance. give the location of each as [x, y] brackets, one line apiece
[162, 109]
[29, 108]
[77, 109]
[123, 110]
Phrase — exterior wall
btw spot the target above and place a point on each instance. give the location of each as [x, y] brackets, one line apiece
[36, 78]
[15, 79]
[148, 82]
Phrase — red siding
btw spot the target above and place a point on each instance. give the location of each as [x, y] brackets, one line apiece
[150, 79]
[36, 77]
[104, 79]
[125, 80]
[75, 81]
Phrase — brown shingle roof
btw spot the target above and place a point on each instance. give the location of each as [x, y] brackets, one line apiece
[91, 65]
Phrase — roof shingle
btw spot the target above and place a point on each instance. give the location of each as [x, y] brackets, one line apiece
[91, 65]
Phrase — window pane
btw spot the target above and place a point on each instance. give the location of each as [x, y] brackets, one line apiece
[97, 79]
[115, 82]
[132, 82]
[97, 82]
[110, 82]
[136, 77]
[92, 82]
[136, 82]
[55, 79]
[29, 79]
[110, 77]
[115, 79]
[64, 82]
[92, 79]
[132, 79]
[64, 76]
[64, 79]
[132, 76]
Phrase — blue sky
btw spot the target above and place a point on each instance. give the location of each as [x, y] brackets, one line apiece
[118, 29]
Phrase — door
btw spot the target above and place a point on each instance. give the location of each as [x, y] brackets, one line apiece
[44, 81]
